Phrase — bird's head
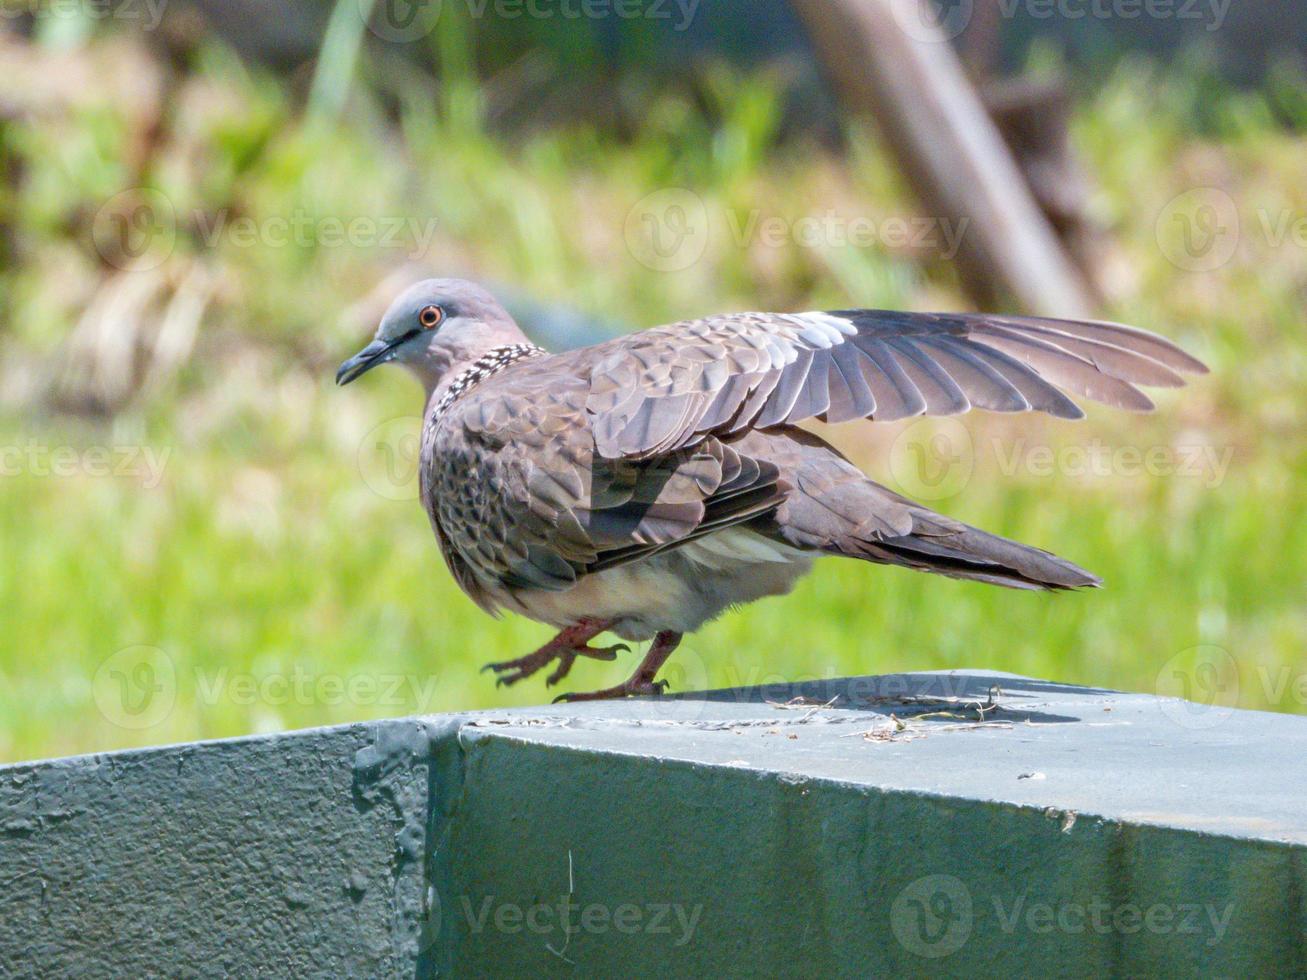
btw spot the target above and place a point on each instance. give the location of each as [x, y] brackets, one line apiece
[433, 326]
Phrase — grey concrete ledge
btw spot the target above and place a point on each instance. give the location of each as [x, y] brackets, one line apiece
[956, 824]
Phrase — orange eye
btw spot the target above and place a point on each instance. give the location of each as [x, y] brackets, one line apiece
[430, 317]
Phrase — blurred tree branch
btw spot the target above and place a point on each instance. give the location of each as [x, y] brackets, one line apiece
[890, 59]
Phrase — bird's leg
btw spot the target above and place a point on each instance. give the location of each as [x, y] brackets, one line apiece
[642, 681]
[565, 648]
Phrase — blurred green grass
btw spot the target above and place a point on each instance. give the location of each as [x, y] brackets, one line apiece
[288, 578]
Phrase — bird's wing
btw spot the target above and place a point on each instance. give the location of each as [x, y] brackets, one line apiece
[669, 387]
[512, 483]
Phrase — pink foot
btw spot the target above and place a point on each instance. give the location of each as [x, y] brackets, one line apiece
[642, 681]
[569, 644]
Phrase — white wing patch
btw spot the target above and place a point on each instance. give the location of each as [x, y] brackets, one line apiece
[823, 331]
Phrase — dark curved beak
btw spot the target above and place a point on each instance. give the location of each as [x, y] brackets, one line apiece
[377, 352]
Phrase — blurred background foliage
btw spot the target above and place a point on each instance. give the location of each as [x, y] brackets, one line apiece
[276, 534]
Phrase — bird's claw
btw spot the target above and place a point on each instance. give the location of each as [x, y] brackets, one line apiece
[568, 657]
[629, 689]
[508, 680]
[512, 671]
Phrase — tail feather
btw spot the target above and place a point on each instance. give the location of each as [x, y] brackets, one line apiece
[961, 551]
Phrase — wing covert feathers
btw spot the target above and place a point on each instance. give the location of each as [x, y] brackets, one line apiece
[671, 386]
[518, 497]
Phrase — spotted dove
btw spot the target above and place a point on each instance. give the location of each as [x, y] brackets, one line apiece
[643, 485]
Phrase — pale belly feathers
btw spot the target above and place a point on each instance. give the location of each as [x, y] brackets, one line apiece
[676, 590]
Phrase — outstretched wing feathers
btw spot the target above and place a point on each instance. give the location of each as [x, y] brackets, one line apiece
[984, 385]
[936, 385]
[669, 387]
[1118, 362]
[1067, 370]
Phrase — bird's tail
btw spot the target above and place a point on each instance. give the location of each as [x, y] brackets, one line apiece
[831, 507]
[947, 547]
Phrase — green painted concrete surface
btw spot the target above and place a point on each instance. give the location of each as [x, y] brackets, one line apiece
[959, 824]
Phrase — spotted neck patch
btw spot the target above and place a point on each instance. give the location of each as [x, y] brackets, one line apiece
[491, 362]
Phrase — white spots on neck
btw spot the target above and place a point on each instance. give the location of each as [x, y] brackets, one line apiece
[491, 362]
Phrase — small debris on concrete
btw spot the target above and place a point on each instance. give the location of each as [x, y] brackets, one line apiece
[1066, 818]
[567, 925]
[801, 702]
